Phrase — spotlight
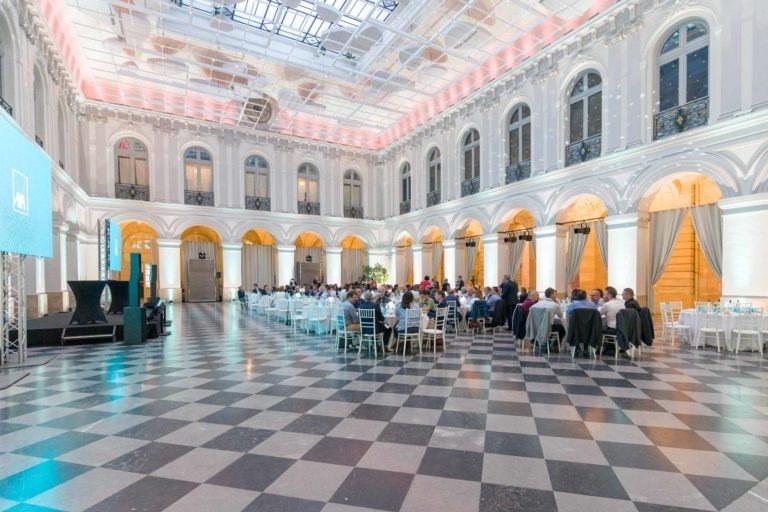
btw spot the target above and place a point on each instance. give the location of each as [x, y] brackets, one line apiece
[201, 255]
[526, 237]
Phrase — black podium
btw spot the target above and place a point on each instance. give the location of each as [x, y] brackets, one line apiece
[88, 302]
[118, 290]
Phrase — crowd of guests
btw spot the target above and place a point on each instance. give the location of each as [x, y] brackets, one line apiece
[495, 305]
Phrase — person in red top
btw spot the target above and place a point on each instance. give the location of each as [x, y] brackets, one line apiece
[425, 283]
[532, 299]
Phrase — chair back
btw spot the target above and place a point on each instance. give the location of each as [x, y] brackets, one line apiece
[341, 324]
[452, 318]
[749, 323]
[440, 318]
[585, 327]
[281, 305]
[367, 320]
[628, 326]
[266, 301]
[479, 309]
[675, 307]
[539, 325]
[413, 318]
[709, 321]
[252, 298]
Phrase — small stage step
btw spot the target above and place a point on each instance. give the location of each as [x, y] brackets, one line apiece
[111, 333]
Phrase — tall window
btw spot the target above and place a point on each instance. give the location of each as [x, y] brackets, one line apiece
[256, 183]
[472, 155]
[353, 194]
[308, 179]
[38, 98]
[683, 79]
[198, 177]
[520, 135]
[132, 170]
[61, 128]
[405, 182]
[585, 118]
[434, 165]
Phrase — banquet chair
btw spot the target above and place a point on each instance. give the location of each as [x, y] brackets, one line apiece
[412, 319]
[438, 332]
[670, 324]
[751, 327]
[709, 325]
[342, 332]
[281, 309]
[368, 330]
[584, 328]
[314, 317]
[252, 301]
[538, 328]
[263, 304]
[270, 310]
[628, 327]
[452, 318]
[296, 314]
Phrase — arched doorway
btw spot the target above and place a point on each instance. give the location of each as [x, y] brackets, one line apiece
[258, 259]
[354, 257]
[404, 263]
[140, 238]
[201, 243]
[520, 251]
[432, 254]
[687, 276]
[470, 254]
[586, 256]
[309, 259]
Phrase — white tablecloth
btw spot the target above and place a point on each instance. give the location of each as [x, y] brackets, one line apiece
[728, 322]
[391, 320]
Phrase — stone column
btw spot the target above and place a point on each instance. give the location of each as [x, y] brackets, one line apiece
[169, 269]
[449, 261]
[418, 268]
[232, 270]
[492, 256]
[56, 271]
[333, 265]
[628, 255]
[285, 263]
[34, 283]
[393, 265]
[550, 257]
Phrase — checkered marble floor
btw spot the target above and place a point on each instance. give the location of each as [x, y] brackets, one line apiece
[230, 413]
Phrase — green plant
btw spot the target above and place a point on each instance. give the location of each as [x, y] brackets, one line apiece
[376, 273]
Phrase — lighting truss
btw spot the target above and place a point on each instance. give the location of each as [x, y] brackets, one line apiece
[13, 313]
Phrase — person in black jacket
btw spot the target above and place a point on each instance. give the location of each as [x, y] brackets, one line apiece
[459, 284]
[509, 296]
[628, 294]
[380, 325]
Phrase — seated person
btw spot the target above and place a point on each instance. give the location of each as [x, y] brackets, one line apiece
[380, 325]
[492, 298]
[522, 295]
[531, 299]
[401, 326]
[610, 308]
[351, 319]
[551, 302]
[579, 301]
[629, 299]
[426, 304]
[596, 296]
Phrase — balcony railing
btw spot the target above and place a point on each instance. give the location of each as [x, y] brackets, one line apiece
[583, 150]
[469, 187]
[309, 208]
[433, 198]
[517, 172]
[198, 198]
[257, 203]
[39, 141]
[405, 207]
[681, 119]
[353, 212]
[128, 191]
[6, 106]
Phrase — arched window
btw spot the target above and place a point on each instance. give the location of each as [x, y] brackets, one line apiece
[257, 183]
[62, 132]
[519, 135]
[132, 170]
[683, 80]
[405, 188]
[585, 118]
[471, 183]
[353, 195]
[38, 98]
[198, 177]
[434, 173]
[308, 179]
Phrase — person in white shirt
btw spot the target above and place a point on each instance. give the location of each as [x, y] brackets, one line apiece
[550, 302]
[610, 308]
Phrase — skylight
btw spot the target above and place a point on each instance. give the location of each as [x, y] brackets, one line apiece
[303, 23]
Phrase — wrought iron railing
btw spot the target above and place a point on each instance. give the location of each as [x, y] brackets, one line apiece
[433, 198]
[681, 119]
[309, 208]
[39, 141]
[128, 191]
[257, 203]
[405, 207]
[518, 171]
[6, 106]
[353, 212]
[583, 150]
[198, 198]
[469, 187]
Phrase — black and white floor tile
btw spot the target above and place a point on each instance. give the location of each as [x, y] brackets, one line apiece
[232, 414]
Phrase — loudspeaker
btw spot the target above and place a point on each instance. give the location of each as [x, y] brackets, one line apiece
[153, 281]
[134, 285]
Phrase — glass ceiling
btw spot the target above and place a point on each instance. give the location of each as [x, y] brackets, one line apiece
[301, 23]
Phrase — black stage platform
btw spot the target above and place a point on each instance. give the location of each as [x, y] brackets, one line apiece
[47, 330]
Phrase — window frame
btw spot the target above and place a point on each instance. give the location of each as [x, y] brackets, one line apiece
[680, 54]
[132, 156]
[257, 171]
[583, 97]
[519, 126]
[352, 181]
[198, 162]
[406, 190]
[434, 169]
[473, 148]
[308, 173]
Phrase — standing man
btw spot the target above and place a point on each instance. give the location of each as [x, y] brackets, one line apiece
[509, 296]
[459, 283]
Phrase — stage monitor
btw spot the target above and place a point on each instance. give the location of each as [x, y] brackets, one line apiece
[26, 209]
[115, 247]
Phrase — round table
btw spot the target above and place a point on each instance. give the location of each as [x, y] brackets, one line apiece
[727, 322]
